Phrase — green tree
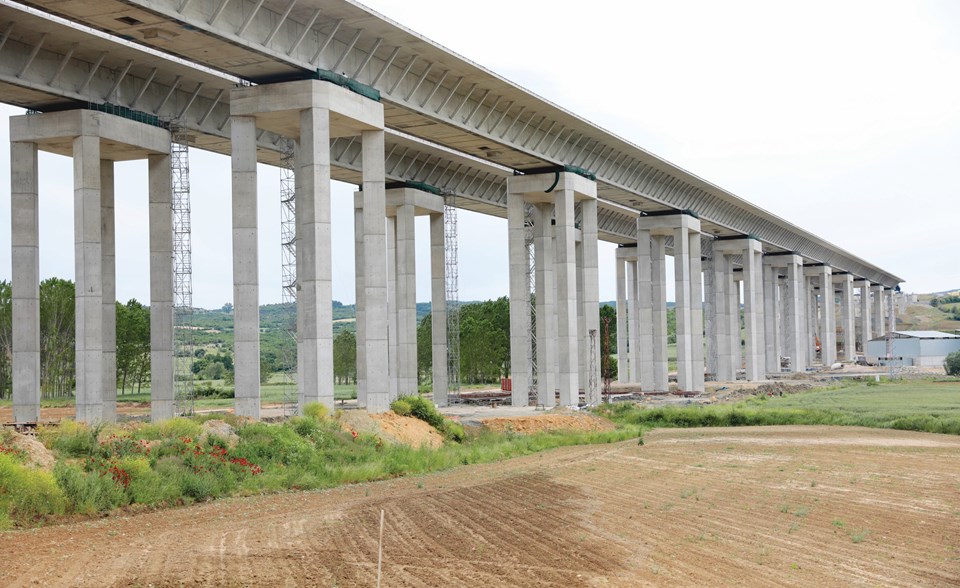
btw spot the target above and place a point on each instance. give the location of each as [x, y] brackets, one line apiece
[57, 337]
[425, 349]
[345, 357]
[952, 364]
[133, 345]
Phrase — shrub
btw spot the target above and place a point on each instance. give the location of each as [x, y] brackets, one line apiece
[952, 364]
[423, 409]
[88, 492]
[178, 427]
[401, 406]
[27, 495]
[315, 411]
[70, 438]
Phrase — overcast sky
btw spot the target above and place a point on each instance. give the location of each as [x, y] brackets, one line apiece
[842, 117]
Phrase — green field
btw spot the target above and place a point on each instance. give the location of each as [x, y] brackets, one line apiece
[931, 406]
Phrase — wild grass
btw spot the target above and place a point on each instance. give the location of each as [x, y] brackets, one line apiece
[168, 463]
[925, 406]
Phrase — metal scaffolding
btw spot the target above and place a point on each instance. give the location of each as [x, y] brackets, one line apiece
[288, 258]
[531, 321]
[452, 273]
[182, 272]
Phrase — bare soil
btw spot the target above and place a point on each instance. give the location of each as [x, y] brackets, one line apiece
[391, 427]
[548, 422]
[775, 506]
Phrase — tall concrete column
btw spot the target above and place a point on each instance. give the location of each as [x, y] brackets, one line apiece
[696, 285]
[623, 374]
[771, 317]
[645, 310]
[879, 328]
[865, 318]
[591, 297]
[567, 343]
[161, 288]
[813, 317]
[754, 347]
[25, 287]
[733, 319]
[710, 307]
[393, 352]
[847, 318]
[828, 320]
[658, 273]
[360, 327]
[314, 261]
[89, 285]
[547, 344]
[891, 310]
[406, 301]
[793, 315]
[726, 369]
[519, 301]
[583, 350]
[633, 321]
[438, 308]
[109, 277]
[684, 306]
[246, 288]
[375, 284]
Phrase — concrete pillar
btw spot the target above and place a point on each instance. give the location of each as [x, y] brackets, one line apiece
[547, 343]
[754, 347]
[623, 374]
[710, 308]
[406, 301]
[520, 375]
[828, 340]
[161, 288]
[567, 343]
[646, 310]
[25, 286]
[591, 298]
[314, 261]
[633, 321]
[813, 317]
[393, 352]
[848, 318]
[771, 317]
[246, 289]
[734, 328]
[891, 311]
[696, 285]
[658, 278]
[360, 327]
[879, 327]
[793, 315]
[687, 298]
[583, 350]
[722, 345]
[89, 285]
[109, 278]
[438, 308]
[375, 285]
[866, 332]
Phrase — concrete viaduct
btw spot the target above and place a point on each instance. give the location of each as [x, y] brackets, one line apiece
[369, 102]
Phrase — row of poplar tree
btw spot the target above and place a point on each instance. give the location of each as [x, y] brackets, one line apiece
[57, 341]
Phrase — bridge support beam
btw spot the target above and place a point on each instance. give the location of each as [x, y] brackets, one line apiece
[95, 140]
[651, 234]
[847, 316]
[554, 196]
[754, 350]
[312, 113]
[866, 323]
[771, 317]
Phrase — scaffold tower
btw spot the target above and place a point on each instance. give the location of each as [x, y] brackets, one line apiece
[288, 258]
[182, 272]
[452, 273]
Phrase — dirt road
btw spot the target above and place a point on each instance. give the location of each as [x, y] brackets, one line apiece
[747, 507]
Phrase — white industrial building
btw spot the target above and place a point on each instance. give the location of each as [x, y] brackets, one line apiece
[916, 348]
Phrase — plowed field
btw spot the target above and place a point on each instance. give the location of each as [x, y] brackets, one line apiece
[799, 506]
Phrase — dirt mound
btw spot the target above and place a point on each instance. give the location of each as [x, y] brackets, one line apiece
[391, 427]
[551, 421]
[37, 454]
[221, 429]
